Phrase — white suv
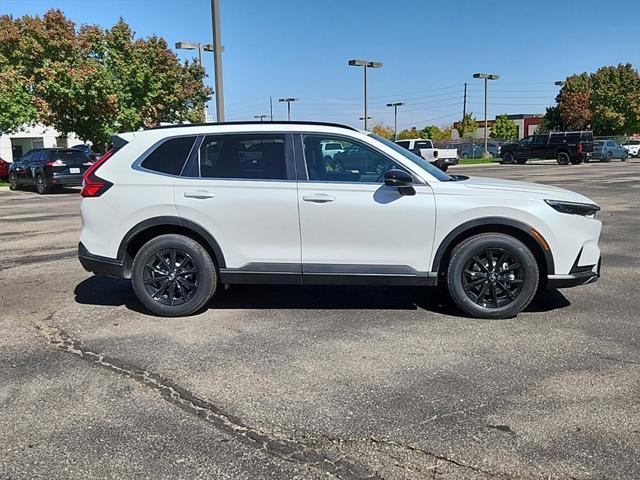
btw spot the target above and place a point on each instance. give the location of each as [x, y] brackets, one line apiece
[183, 209]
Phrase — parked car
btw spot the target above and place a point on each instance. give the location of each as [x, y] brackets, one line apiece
[48, 169]
[87, 150]
[442, 158]
[4, 169]
[330, 149]
[607, 150]
[633, 147]
[565, 147]
[474, 149]
[183, 210]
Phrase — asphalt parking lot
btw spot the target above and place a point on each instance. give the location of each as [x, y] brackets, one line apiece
[292, 382]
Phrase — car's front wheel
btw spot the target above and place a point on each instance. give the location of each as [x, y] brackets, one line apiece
[508, 158]
[492, 275]
[42, 186]
[13, 181]
[173, 276]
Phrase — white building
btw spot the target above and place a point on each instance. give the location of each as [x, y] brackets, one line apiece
[14, 145]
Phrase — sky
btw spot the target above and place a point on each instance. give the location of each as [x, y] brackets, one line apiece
[288, 48]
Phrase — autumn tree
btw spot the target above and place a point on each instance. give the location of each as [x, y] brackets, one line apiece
[91, 81]
[467, 126]
[383, 131]
[409, 133]
[504, 128]
[574, 102]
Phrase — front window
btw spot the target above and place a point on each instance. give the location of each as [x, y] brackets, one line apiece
[415, 159]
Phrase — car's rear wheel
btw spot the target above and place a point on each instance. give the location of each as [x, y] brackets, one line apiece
[508, 158]
[42, 186]
[576, 161]
[173, 276]
[338, 166]
[13, 181]
[521, 161]
[492, 275]
[608, 157]
[444, 168]
[563, 158]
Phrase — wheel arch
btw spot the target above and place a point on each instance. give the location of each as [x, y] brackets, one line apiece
[144, 231]
[521, 231]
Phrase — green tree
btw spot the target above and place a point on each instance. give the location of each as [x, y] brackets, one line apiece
[551, 121]
[467, 126]
[431, 132]
[91, 81]
[615, 100]
[409, 133]
[504, 128]
[383, 131]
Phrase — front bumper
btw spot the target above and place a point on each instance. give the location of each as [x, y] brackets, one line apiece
[111, 267]
[574, 279]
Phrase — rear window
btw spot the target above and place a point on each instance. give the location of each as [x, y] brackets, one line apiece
[634, 142]
[423, 145]
[66, 155]
[333, 146]
[169, 157]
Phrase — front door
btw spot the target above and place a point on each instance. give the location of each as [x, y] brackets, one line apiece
[241, 189]
[353, 227]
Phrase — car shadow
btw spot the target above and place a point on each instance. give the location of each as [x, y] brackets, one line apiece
[107, 291]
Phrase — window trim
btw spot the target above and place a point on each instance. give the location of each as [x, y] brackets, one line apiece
[301, 161]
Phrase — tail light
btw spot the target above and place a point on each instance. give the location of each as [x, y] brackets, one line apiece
[435, 154]
[579, 148]
[57, 163]
[92, 185]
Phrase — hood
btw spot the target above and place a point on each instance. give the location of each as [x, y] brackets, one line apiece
[533, 189]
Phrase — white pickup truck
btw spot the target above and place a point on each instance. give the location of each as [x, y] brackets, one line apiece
[442, 158]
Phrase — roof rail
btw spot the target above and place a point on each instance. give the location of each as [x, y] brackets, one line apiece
[274, 122]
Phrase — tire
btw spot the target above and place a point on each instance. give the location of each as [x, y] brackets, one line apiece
[444, 168]
[624, 158]
[576, 161]
[13, 181]
[41, 185]
[563, 158]
[186, 293]
[521, 161]
[508, 158]
[490, 297]
[608, 157]
[338, 166]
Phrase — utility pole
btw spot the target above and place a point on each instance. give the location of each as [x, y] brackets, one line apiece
[217, 58]
[464, 108]
[395, 106]
[486, 77]
[271, 107]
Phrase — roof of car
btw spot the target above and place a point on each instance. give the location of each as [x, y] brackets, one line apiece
[275, 122]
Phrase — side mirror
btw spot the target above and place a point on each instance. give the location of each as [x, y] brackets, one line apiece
[400, 179]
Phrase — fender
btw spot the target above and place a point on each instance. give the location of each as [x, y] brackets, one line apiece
[487, 221]
[170, 220]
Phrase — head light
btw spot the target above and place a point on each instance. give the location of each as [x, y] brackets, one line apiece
[574, 208]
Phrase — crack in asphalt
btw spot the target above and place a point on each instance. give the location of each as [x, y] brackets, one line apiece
[284, 448]
[50, 257]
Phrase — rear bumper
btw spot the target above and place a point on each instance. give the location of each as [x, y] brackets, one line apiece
[67, 180]
[446, 161]
[574, 279]
[111, 267]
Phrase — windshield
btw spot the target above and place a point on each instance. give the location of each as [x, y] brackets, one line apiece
[419, 161]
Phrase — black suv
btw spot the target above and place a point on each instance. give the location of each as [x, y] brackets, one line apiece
[49, 168]
[565, 147]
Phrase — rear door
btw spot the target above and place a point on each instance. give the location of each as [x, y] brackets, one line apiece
[68, 162]
[241, 188]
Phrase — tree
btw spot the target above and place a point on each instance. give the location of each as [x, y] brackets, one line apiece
[574, 102]
[615, 100]
[551, 121]
[409, 133]
[431, 132]
[504, 128]
[91, 81]
[467, 126]
[383, 131]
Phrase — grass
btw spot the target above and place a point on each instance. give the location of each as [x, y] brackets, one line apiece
[474, 161]
[3, 184]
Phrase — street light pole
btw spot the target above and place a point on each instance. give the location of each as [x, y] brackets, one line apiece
[261, 117]
[486, 77]
[366, 64]
[201, 47]
[288, 100]
[217, 58]
[395, 106]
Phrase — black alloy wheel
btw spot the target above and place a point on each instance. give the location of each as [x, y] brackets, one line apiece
[508, 158]
[493, 278]
[563, 158]
[41, 185]
[171, 277]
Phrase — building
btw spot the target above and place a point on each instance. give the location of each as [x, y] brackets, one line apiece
[526, 123]
[15, 145]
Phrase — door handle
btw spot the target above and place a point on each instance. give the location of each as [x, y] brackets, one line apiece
[318, 198]
[199, 194]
